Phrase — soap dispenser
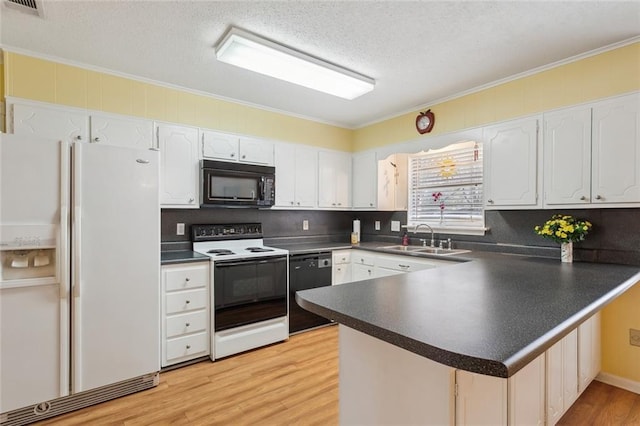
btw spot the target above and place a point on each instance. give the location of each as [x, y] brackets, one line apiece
[405, 239]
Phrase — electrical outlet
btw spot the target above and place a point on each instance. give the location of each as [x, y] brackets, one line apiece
[180, 229]
[377, 225]
[305, 225]
[634, 337]
[395, 225]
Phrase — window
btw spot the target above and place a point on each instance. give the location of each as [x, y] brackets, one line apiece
[445, 189]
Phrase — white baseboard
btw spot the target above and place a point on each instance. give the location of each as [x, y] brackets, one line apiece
[619, 382]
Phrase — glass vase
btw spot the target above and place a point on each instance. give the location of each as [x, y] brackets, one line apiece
[566, 252]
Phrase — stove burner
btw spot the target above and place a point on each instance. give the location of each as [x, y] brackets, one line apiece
[258, 249]
[220, 252]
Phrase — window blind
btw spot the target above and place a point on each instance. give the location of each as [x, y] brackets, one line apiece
[445, 186]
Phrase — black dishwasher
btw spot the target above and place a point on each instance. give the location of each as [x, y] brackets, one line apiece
[307, 271]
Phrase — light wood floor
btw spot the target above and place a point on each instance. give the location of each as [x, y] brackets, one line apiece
[294, 383]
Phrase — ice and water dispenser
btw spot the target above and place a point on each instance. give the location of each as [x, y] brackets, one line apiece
[28, 253]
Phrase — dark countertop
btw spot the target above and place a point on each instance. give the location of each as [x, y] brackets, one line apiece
[492, 315]
[181, 256]
[313, 247]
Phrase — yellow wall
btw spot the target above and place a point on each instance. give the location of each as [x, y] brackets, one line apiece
[618, 356]
[607, 74]
[42, 80]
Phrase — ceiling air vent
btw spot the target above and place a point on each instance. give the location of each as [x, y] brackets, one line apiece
[32, 7]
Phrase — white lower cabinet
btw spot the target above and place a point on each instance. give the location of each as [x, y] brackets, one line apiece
[185, 312]
[588, 351]
[518, 400]
[340, 267]
[562, 376]
[356, 265]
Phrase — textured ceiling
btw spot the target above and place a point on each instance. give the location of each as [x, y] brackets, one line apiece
[418, 51]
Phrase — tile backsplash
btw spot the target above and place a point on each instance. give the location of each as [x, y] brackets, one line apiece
[615, 237]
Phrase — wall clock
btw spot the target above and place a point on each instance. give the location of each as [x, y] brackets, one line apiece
[424, 122]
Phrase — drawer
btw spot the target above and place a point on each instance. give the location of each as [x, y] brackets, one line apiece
[188, 300]
[363, 259]
[183, 348]
[403, 263]
[191, 322]
[186, 277]
[341, 257]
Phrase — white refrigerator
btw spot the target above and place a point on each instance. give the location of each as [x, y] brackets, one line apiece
[79, 275]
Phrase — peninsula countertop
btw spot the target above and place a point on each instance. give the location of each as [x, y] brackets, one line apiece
[491, 315]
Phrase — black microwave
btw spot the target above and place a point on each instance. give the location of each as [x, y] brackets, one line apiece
[226, 184]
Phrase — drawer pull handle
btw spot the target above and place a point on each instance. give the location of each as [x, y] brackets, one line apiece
[187, 301]
[187, 324]
[404, 266]
[187, 279]
[188, 346]
[583, 198]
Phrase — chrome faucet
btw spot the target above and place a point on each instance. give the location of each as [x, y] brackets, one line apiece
[415, 231]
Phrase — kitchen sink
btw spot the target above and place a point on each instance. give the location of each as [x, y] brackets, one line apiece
[426, 250]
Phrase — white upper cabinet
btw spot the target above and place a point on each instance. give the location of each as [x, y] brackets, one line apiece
[334, 179]
[220, 146]
[592, 154]
[365, 181]
[121, 131]
[179, 167]
[50, 122]
[229, 147]
[511, 165]
[54, 122]
[256, 151]
[296, 176]
[616, 151]
[567, 156]
[392, 183]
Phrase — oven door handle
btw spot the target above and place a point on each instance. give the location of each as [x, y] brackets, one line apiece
[223, 264]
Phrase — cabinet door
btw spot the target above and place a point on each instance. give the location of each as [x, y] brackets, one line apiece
[510, 167]
[567, 156]
[386, 184]
[219, 146]
[327, 179]
[343, 180]
[50, 123]
[616, 151]
[334, 176]
[588, 351]
[121, 131]
[179, 167]
[285, 161]
[256, 151]
[306, 177]
[562, 376]
[527, 394]
[365, 180]
[341, 273]
[480, 399]
[361, 272]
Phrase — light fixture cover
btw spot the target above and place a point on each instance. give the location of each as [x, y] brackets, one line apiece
[246, 50]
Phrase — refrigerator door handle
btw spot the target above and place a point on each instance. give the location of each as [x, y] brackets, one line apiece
[77, 242]
[63, 246]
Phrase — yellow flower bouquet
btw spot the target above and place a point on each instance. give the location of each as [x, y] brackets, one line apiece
[564, 229]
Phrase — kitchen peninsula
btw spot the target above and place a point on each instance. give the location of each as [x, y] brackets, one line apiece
[461, 343]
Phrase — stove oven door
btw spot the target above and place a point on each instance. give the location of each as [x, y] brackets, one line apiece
[249, 291]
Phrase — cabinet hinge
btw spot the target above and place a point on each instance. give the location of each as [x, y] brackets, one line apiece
[455, 389]
[158, 136]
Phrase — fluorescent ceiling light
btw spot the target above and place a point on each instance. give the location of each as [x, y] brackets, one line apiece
[254, 53]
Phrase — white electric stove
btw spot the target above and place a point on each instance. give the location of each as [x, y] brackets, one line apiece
[249, 287]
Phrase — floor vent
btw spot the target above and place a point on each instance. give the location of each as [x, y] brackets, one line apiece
[56, 407]
[32, 7]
